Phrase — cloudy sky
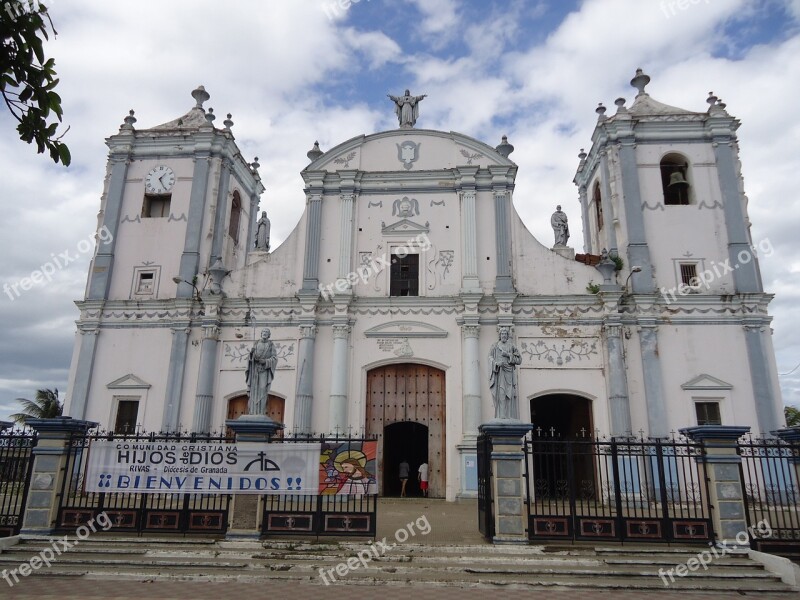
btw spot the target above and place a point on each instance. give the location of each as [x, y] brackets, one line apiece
[295, 71]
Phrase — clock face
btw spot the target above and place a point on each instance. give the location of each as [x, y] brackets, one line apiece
[159, 180]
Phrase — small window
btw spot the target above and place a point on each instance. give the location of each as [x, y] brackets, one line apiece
[236, 217]
[598, 205]
[675, 180]
[689, 274]
[145, 283]
[405, 276]
[708, 413]
[127, 413]
[156, 206]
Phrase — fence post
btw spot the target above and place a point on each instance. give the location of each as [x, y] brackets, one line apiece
[246, 509]
[49, 470]
[723, 472]
[508, 489]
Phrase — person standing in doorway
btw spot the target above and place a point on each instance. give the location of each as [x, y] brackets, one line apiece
[423, 478]
[403, 472]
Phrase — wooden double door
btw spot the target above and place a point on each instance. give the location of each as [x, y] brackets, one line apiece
[408, 393]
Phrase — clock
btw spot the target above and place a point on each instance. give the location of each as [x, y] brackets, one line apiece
[159, 180]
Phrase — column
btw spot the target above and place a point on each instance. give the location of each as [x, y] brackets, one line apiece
[339, 375]
[346, 237]
[204, 398]
[507, 481]
[83, 372]
[313, 233]
[190, 258]
[657, 421]
[745, 277]
[503, 281]
[174, 391]
[304, 397]
[49, 471]
[469, 230]
[100, 275]
[587, 234]
[638, 251]
[251, 226]
[619, 402]
[222, 211]
[767, 410]
[722, 469]
[471, 375]
[608, 207]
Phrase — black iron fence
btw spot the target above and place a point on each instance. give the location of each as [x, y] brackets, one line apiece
[16, 465]
[770, 472]
[485, 506]
[617, 489]
[334, 512]
[135, 512]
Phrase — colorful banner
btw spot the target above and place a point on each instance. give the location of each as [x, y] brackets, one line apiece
[243, 468]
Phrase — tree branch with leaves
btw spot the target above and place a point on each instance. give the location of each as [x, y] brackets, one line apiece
[45, 405]
[28, 77]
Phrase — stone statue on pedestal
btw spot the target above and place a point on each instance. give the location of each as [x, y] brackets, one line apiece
[262, 232]
[503, 360]
[407, 108]
[560, 227]
[260, 373]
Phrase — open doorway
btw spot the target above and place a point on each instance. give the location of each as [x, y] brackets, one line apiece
[407, 441]
[564, 416]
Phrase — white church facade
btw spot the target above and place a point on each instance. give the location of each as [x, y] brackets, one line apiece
[385, 300]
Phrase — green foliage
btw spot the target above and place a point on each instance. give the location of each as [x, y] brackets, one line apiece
[618, 262]
[792, 414]
[46, 405]
[593, 288]
[28, 78]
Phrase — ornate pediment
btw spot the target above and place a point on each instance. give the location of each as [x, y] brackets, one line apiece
[128, 382]
[706, 382]
[404, 227]
[406, 329]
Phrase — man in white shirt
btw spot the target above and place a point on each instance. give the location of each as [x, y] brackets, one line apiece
[423, 478]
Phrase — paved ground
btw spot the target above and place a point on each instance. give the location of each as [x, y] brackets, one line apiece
[447, 523]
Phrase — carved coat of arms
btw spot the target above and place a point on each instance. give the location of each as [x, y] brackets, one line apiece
[408, 153]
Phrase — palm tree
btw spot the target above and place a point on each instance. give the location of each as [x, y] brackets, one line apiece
[46, 405]
[792, 416]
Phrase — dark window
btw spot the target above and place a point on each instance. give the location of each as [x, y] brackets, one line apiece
[689, 274]
[708, 413]
[127, 412]
[146, 282]
[675, 180]
[236, 216]
[405, 276]
[156, 206]
[598, 205]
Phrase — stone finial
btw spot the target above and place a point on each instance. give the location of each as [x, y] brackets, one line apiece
[314, 153]
[712, 99]
[200, 95]
[228, 123]
[255, 164]
[504, 149]
[601, 111]
[582, 155]
[210, 116]
[640, 82]
[620, 102]
[129, 120]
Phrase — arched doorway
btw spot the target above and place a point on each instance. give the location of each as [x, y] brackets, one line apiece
[405, 440]
[408, 393]
[237, 406]
[562, 415]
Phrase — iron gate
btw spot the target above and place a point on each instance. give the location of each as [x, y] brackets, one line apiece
[770, 472]
[133, 512]
[617, 489]
[331, 512]
[16, 466]
[485, 508]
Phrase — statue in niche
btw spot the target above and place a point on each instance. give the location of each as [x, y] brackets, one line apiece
[260, 373]
[262, 232]
[560, 227]
[407, 108]
[503, 360]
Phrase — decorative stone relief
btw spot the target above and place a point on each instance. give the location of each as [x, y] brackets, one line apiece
[236, 353]
[405, 207]
[397, 346]
[437, 203]
[174, 218]
[584, 352]
[470, 157]
[345, 160]
[408, 154]
[379, 204]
